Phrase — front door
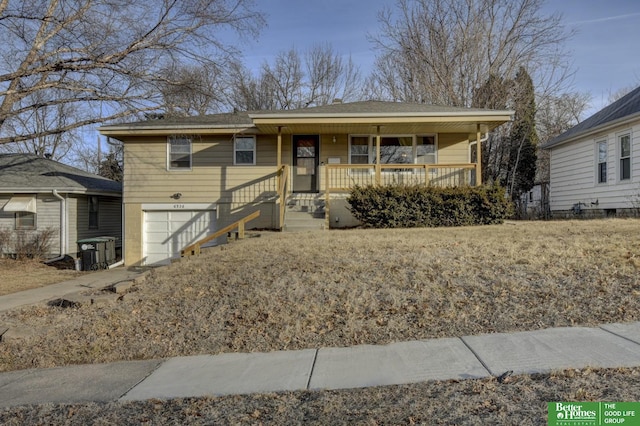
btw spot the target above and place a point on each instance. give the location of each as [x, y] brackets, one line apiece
[305, 163]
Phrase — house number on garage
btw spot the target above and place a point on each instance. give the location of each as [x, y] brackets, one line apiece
[178, 206]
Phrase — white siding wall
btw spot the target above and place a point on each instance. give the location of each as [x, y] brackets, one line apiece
[574, 177]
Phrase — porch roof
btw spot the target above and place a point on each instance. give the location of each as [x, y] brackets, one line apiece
[355, 118]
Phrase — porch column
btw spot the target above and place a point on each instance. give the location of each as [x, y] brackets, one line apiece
[478, 157]
[279, 154]
[279, 159]
[378, 166]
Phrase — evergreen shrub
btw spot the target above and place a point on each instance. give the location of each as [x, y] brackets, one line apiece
[409, 206]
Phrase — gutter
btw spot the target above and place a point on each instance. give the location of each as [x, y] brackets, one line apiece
[410, 114]
[63, 228]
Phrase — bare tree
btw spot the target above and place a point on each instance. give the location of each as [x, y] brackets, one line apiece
[296, 81]
[330, 77]
[189, 90]
[39, 121]
[440, 51]
[105, 55]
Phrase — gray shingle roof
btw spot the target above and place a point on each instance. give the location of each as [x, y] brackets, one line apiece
[623, 108]
[31, 173]
[244, 118]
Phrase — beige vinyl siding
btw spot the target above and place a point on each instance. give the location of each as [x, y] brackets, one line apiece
[212, 178]
[453, 148]
[573, 173]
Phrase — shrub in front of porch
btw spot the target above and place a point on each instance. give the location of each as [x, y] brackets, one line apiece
[407, 206]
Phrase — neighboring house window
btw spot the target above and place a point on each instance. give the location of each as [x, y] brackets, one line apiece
[25, 220]
[93, 212]
[625, 156]
[244, 150]
[602, 162]
[359, 151]
[179, 153]
[426, 150]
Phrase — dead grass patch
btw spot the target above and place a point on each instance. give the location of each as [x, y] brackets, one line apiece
[19, 275]
[343, 288]
[520, 401]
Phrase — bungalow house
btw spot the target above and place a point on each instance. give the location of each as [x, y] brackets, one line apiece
[38, 194]
[595, 165]
[186, 177]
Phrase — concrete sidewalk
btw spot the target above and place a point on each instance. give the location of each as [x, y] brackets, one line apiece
[88, 281]
[612, 345]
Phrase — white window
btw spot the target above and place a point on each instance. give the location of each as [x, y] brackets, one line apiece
[426, 149]
[179, 153]
[244, 150]
[625, 156]
[396, 150]
[406, 149]
[359, 150]
[602, 161]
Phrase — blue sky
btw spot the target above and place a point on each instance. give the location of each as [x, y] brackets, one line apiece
[605, 51]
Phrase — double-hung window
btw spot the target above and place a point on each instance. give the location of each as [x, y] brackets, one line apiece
[244, 150]
[602, 161]
[625, 156]
[179, 153]
[359, 151]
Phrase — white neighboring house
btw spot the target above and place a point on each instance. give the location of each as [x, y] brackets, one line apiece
[595, 165]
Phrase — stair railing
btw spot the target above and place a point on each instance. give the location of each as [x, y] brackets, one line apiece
[194, 248]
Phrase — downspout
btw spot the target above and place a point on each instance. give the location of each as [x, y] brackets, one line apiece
[63, 227]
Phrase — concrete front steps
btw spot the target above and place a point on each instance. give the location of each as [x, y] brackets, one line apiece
[305, 212]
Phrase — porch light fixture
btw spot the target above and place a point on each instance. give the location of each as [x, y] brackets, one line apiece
[176, 196]
[334, 139]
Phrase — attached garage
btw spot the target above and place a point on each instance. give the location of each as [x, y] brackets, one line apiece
[169, 229]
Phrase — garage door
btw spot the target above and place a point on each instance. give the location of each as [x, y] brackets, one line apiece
[166, 233]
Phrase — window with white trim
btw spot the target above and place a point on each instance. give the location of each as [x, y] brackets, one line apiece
[401, 149]
[625, 156]
[602, 161]
[179, 153]
[244, 150]
[359, 150]
[396, 150]
[25, 220]
[426, 149]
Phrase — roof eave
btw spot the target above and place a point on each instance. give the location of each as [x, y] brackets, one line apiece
[601, 128]
[506, 114]
[75, 191]
[173, 128]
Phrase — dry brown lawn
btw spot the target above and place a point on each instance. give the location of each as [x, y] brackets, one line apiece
[19, 275]
[341, 288]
